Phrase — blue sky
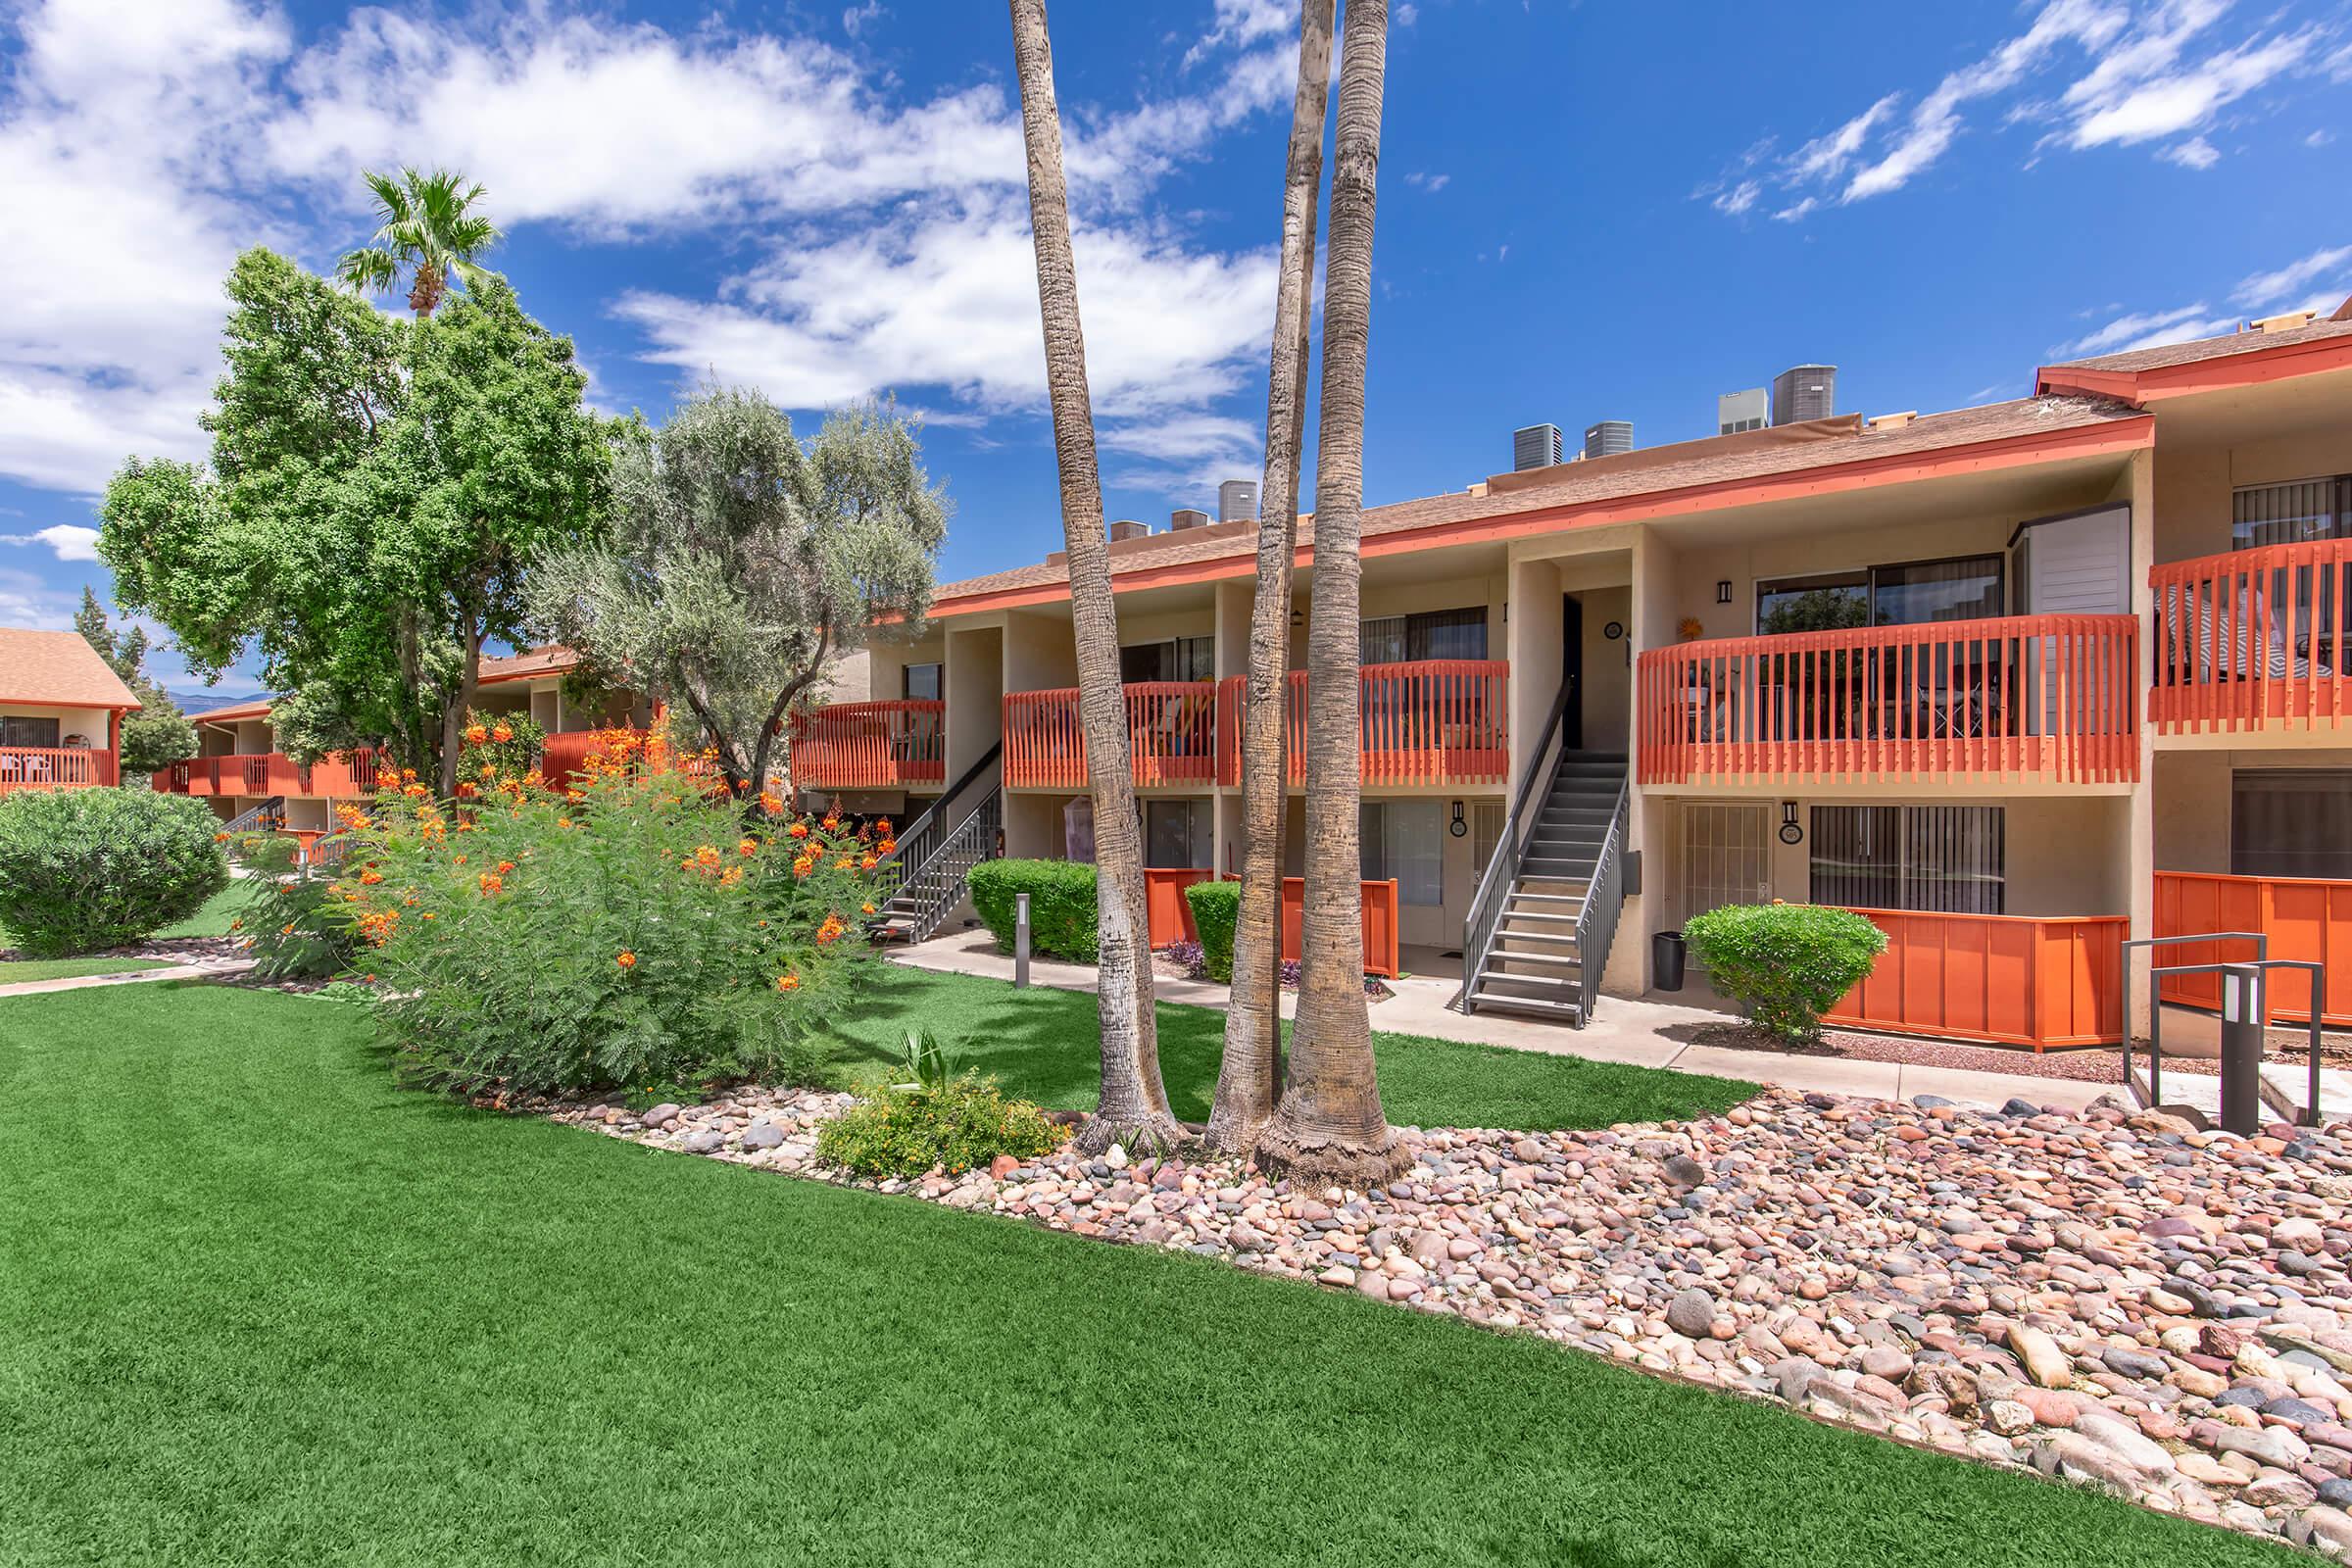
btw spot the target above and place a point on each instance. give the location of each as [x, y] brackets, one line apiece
[1596, 210]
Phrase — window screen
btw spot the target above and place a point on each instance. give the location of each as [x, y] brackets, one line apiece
[2288, 514]
[1948, 860]
[2291, 821]
[925, 682]
[1404, 840]
[34, 732]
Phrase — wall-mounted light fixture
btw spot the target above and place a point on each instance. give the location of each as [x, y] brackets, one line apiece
[1791, 832]
[1457, 827]
[1722, 590]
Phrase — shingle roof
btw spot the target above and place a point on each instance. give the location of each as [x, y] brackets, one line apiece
[58, 667]
[251, 708]
[2210, 348]
[1644, 471]
[548, 658]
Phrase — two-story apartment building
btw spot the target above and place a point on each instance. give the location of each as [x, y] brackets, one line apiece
[2018, 680]
[61, 711]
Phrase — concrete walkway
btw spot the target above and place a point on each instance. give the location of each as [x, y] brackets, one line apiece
[202, 970]
[1644, 1033]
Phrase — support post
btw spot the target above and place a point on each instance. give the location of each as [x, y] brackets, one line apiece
[1021, 942]
[2242, 1013]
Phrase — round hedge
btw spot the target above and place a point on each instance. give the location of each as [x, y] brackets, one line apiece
[91, 869]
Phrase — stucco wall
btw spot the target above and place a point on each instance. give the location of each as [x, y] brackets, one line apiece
[2193, 482]
[2191, 801]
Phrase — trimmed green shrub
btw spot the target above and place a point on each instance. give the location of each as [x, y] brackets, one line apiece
[904, 1130]
[1216, 908]
[1062, 905]
[86, 869]
[1786, 963]
[289, 914]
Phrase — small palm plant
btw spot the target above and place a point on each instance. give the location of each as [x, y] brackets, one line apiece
[928, 1063]
[426, 230]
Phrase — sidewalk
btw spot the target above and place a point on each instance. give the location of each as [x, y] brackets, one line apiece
[1646, 1034]
[203, 969]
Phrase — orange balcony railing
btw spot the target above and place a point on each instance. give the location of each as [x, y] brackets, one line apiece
[2051, 697]
[49, 767]
[2253, 636]
[865, 746]
[343, 775]
[1172, 735]
[1428, 721]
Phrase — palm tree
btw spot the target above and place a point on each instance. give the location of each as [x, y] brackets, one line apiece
[1134, 1104]
[1330, 1124]
[1248, 1080]
[425, 229]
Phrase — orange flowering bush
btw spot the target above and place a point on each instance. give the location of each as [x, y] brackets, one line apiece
[629, 930]
[494, 747]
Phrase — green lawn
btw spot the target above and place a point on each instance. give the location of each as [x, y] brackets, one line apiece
[1042, 1045]
[213, 919]
[256, 1306]
[21, 969]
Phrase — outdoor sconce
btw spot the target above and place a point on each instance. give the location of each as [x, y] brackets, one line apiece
[1791, 832]
[1722, 590]
[1457, 827]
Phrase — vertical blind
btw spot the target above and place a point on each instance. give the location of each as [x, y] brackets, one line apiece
[2289, 513]
[1404, 840]
[2291, 821]
[1945, 859]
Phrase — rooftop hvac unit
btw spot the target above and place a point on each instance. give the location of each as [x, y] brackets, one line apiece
[1804, 392]
[1736, 412]
[1608, 438]
[1188, 518]
[1236, 501]
[1538, 446]
[1125, 528]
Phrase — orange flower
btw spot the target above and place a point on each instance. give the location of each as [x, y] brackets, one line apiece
[787, 982]
[803, 865]
[831, 929]
[730, 876]
[865, 908]
[475, 733]
[706, 855]
[502, 733]
[627, 960]
[466, 790]
[430, 916]
[415, 792]
[286, 930]
[370, 880]
[219, 838]
[747, 846]
[770, 802]
[490, 884]
[867, 864]
[504, 866]
[456, 860]
[797, 830]
[563, 821]
[486, 770]
[882, 826]
[887, 847]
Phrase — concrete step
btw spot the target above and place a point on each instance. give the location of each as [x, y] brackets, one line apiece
[1570, 1014]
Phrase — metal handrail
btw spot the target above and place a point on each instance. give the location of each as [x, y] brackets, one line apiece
[933, 887]
[1486, 905]
[2262, 948]
[1606, 893]
[917, 841]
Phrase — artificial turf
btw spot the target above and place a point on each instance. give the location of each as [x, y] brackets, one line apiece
[16, 970]
[1042, 1045]
[258, 1307]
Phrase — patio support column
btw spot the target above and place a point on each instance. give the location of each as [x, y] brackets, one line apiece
[2140, 849]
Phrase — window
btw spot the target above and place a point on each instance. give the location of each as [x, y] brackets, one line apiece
[925, 683]
[1431, 634]
[1964, 588]
[1176, 833]
[1947, 859]
[1723, 857]
[1404, 840]
[2291, 821]
[1486, 832]
[1173, 659]
[2289, 513]
[34, 732]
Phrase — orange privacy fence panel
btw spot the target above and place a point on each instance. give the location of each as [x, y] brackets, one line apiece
[1171, 915]
[2017, 980]
[1379, 923]
[2304, 917]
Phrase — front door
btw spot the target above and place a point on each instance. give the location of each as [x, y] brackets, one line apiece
[1572, 671]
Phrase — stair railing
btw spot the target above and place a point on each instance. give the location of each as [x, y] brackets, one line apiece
[1604, 901]
[1503, 866]
[920, 840]
[269, 816]
[934, 888]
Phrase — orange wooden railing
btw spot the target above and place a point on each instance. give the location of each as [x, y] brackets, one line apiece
[1429, 722]
[2252, 636]
[2304, 917]
[563, 756]
[1379, 923]
[343, 775]
[863, 746]
[1171, 735]
[48, 767]
[2048, 696]
[2014, 979]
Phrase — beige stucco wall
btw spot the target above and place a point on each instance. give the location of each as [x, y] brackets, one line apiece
[2193, 480]
[2191, 800]
[90, 723]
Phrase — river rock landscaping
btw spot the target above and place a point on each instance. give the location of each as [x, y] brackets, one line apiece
[2115, 1297]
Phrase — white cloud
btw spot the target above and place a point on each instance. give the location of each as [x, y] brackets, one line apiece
[2142, 328]
[2142, 70]
[1405, 14]
[2320, 139]
[71, 541]
[1739, 199]
[2332, 266]
[1432, 184]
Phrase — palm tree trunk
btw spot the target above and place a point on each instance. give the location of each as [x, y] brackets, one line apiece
[1134, 1104]
[1248, 1081]
[1331, 1125]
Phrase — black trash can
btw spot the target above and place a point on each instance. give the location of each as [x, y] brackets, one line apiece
[1666, 953]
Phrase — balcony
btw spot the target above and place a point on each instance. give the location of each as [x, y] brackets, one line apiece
[344, 775]
[2050, 698]
[1172, 736]
[1433, 722]
[2253, 638]
[871, 746]
[52, 767]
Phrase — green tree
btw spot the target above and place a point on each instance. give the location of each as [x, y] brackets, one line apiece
[741, 563]
[159, 734]
[375, 489]
[427, 231]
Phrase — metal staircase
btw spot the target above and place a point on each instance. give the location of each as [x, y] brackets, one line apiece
[934, 857]
[1546, 912]
[270, 817]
